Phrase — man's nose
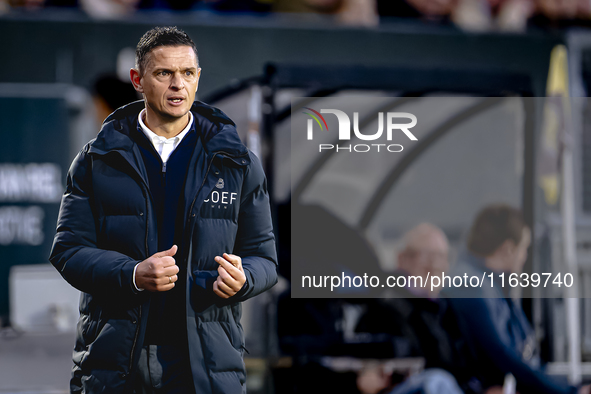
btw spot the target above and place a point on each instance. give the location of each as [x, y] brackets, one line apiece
[177, 82]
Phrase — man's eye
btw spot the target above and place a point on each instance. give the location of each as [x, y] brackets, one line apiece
[163, 73]
[188, 73]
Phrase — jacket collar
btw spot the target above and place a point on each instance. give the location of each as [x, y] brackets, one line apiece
[216, 130]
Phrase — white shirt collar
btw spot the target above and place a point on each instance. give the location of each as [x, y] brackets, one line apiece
[159, 142]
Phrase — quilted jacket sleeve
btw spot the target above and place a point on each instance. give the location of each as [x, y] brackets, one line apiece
[255, 242]
[74, 252]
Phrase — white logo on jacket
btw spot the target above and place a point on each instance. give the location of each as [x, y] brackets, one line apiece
[225, 198]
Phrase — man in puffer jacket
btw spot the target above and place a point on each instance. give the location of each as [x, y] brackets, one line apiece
[165, 228]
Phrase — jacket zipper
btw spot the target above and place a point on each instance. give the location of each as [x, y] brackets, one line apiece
[137, 329]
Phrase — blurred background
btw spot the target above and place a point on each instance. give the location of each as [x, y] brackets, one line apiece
[67, 67]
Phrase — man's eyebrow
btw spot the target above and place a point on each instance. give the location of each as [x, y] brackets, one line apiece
[158, 69]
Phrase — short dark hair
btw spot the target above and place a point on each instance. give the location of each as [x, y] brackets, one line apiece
[158, 37]
[494, 225]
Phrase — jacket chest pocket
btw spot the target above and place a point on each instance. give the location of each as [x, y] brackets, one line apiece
[223, 202]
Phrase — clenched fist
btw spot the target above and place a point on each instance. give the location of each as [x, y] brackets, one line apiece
[158, 272]
[231, 277]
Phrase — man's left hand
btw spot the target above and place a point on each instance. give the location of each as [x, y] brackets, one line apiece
[231, 277]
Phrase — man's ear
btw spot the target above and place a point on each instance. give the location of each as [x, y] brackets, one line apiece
[136, 80]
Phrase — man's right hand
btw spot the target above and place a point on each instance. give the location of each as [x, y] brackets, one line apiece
[158, 272]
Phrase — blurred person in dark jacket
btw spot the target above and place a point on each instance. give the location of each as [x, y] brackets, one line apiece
[495, 326]
[165, 227]
[426, 321]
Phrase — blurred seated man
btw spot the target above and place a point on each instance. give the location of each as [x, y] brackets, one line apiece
[417, 314]
[494, 325]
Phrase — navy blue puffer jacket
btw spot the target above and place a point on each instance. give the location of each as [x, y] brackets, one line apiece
[107, 225]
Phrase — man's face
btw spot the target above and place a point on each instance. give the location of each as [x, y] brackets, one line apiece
[169, 82]
[427, 254]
